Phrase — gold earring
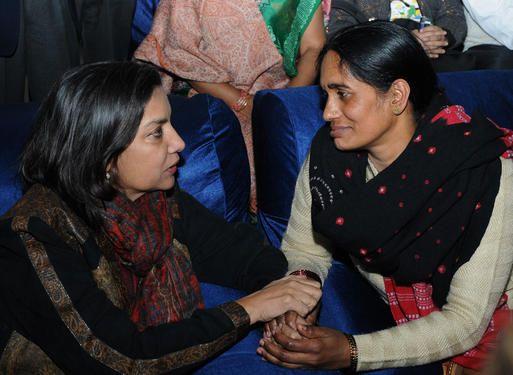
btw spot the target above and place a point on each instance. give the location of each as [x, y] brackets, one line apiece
[397, 111]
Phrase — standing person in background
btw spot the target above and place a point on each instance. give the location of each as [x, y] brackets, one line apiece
[232, 48]
[59, 34]
[489, 41]
[439, 25]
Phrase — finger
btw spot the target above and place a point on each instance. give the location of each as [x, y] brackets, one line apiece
[304, 280]
[267, 330]
[433, 38]
[270, 358]
[437, 51]
[302, 303]
[304, 321]
[308, 296]
[436, 44]
[313, 332]
[439, 41]
[433, 29]
[434, 34]
[289, 332]
[273, 326]
[290, 319]
[285, 356]
[303, 345]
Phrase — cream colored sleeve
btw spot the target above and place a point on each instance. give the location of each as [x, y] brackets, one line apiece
[303, 248]
[472, 299]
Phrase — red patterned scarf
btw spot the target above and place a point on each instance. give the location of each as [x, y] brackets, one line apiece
[156, 270]
[414, 301]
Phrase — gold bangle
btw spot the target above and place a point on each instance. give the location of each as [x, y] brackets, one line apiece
[242, 102]
[353, 352]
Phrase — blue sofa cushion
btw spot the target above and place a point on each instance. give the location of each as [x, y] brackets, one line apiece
[214, 167]
[285, 122]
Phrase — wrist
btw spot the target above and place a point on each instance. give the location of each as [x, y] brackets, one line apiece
[351, 353]
[242, 101]
[308, 274]
[248, 305]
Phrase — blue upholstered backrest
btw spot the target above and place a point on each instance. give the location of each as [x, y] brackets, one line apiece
[143, 18]
[15, 124]
[214, 165]
[10, 14]
[285, 122]
[489, 91]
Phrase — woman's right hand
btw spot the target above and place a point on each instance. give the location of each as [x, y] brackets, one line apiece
[291, 293]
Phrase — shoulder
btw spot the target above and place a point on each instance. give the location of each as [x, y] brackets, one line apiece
[44, 216]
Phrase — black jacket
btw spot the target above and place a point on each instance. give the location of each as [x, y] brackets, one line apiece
[57, 291]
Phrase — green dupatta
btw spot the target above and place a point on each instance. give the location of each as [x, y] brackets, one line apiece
[286, 21]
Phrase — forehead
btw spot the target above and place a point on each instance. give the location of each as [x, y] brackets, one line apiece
[332, 72]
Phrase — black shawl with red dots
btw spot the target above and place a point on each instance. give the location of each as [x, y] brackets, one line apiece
[421, 218]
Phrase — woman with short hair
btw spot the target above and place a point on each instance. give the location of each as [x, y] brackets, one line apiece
[101, 258]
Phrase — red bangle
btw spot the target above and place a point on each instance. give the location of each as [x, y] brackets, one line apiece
[309, 274]
[242, 102]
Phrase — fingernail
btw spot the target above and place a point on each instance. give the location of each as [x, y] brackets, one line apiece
[261, 342]
[260, 351]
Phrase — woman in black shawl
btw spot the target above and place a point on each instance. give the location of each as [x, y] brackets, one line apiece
[415, 192]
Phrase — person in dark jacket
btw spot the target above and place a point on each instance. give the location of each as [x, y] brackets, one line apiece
[439, 25]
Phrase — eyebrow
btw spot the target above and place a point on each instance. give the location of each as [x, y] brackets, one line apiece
[337, 86]
[158, 121]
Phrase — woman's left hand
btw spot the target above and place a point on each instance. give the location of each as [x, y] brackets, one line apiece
[319, 347]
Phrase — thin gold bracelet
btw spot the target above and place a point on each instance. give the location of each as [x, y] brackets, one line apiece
[242, 102]
[353, 352]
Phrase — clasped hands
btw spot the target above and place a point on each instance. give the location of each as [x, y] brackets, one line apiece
[294, 341]
[433, 39]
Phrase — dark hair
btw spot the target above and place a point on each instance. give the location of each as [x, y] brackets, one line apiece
[89, 117]
[379, 52]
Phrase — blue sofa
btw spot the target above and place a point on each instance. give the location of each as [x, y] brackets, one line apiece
[215, 171]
